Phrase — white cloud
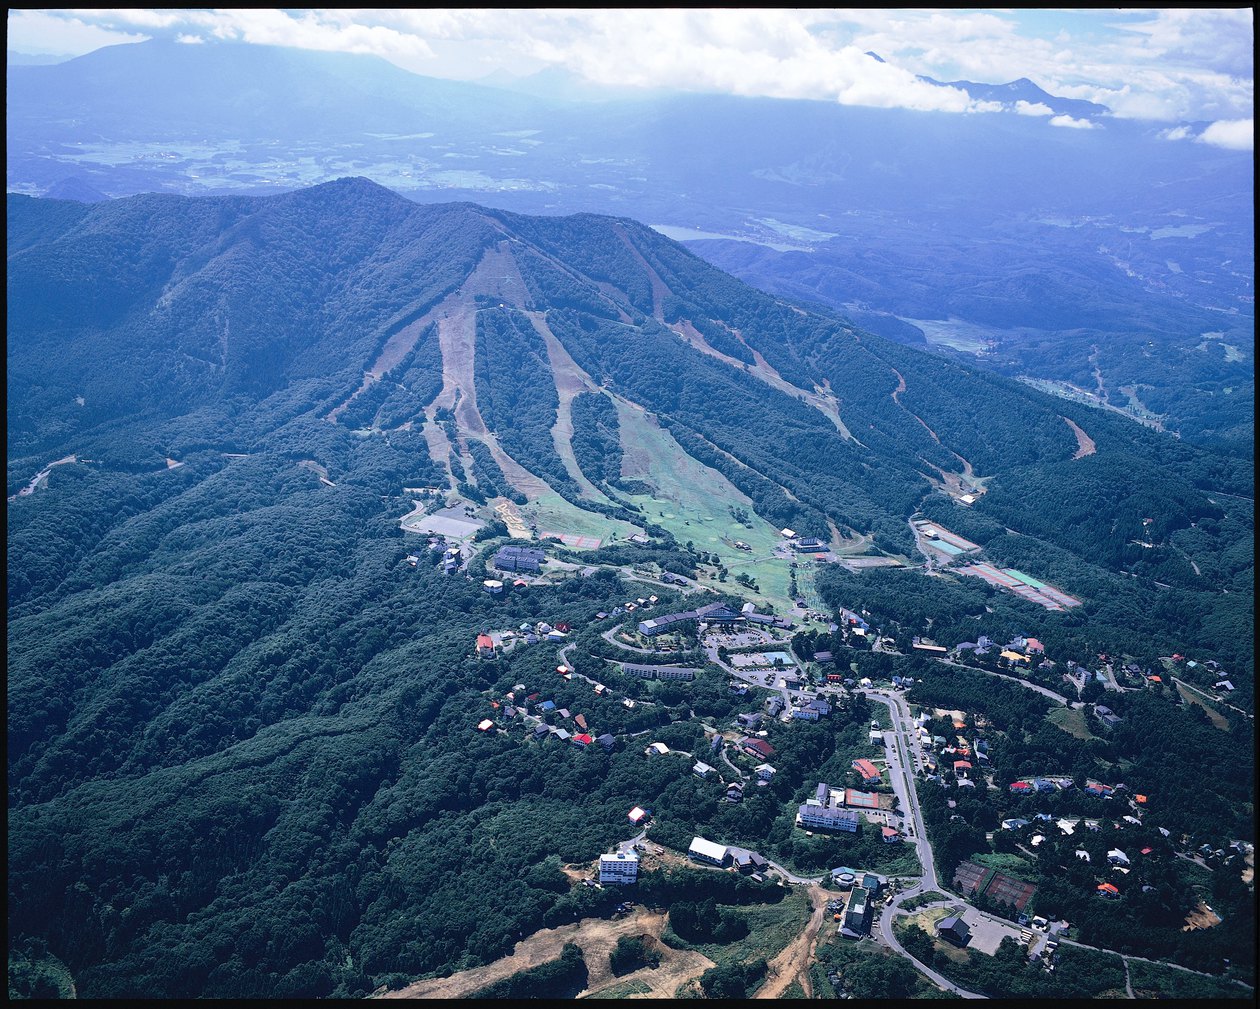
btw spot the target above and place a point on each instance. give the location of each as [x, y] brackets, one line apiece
[1169, 64]
[1033, 108]
[1074, 124]
[1176, 133]
[1236, 135]
[60, 34]
[190, 40]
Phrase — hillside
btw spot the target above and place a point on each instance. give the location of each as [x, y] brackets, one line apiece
[242, 695]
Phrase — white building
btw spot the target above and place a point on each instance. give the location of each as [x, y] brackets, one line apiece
[621, 868]
[703, 850]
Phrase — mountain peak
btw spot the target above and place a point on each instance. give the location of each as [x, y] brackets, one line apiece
[1023, 90]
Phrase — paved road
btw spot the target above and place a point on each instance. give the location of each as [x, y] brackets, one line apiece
[1045, 691]
[900, 745]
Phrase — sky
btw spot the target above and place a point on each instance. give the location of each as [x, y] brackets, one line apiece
[1171, 65]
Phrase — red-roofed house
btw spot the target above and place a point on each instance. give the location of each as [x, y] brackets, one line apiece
[1156, 679]
[582, 739]
[867, 771]
[1108, 890]
[1147, 851]
[580, 720]
[1020, 786]
[890, 835]
[962, 765]
[756, 747]
[1034, 645]
[485, 645]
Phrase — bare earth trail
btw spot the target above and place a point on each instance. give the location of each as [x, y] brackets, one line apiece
[793, 962]
[821, 399]
[951, 481]
[31, 487]
[1084, 443]
[571, 381]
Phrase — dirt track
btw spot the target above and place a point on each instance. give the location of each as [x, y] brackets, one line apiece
[792, 964]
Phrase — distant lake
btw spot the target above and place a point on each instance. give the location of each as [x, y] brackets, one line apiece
[680, 234]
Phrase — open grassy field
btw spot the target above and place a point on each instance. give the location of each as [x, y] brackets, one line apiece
[697, 504]
[1194, 697]
[1072, 721]
[552, 513]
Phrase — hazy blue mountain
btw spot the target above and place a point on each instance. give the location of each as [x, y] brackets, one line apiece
[1024, 90]
[33, 59]
[162, 89]
[75, 188]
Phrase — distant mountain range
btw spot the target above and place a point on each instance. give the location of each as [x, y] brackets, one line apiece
[1057, 240]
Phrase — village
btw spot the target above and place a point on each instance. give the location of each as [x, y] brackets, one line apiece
[914, 747]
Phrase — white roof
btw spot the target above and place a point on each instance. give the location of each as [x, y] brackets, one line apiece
[659, 748]
[709, 849]
[621, 856]
[637, 814]
[789, 533]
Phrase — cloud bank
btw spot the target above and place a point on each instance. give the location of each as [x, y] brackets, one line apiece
[1172, 65]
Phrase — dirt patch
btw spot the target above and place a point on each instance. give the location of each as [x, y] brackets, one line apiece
[1084, 443]
[511, 516]
[597, 937]
[1201, 918]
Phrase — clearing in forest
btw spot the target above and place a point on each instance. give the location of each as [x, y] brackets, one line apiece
[1084, 443]
[698, 504]
[597, 937]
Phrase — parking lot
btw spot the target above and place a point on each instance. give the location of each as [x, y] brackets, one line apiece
[987, 933]
[737, 639]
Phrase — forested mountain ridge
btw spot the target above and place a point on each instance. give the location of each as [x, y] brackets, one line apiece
[234, 321]
[209, 299]
[242, 755]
